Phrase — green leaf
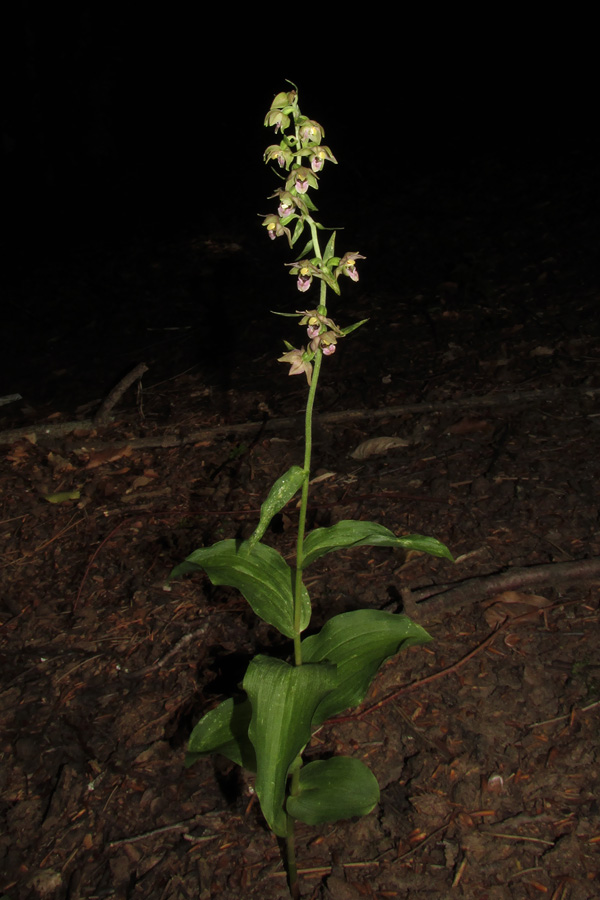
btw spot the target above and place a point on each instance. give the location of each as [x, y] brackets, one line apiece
[351, 533]
[358, 642]
[303, 254]
[298, 231]
[62, 496]
[224, 730]
[260, 573]
[281, 493]
[331, 282]
[332, 789]
[350, 328]
[330, 248]
[284, 699]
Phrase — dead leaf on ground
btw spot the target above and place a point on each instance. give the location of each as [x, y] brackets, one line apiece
[469, 425]
[377, 446]
[107, 456]
[512, 604]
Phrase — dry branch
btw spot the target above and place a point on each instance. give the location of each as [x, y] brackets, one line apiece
[180, 438]
[461, 593]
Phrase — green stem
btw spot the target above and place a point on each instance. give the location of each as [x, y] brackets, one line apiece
[307, 460]
[303, 505]
[289, 840]
[290, 861]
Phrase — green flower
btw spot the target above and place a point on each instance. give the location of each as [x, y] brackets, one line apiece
[318, 157]
[311, 132]
[281, 153]
[277, 118]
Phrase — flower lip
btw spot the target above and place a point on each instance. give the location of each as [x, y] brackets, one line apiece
[326, 341]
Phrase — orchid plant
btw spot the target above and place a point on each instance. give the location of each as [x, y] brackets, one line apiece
[267, 728]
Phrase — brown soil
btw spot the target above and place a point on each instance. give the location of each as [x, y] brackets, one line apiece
[481, 355]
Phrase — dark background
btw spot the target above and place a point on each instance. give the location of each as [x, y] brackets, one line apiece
[115, 117]
[121, 125]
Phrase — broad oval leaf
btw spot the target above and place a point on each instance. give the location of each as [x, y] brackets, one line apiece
[281, 493]
[224, 730]
[352, 533]
[358, 642]
[333, 789]
[284, 699]
[260, 573]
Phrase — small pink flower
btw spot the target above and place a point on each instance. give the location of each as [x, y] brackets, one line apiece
[313, 318]
[347, 265]
[278, 119]
[283, 210]
[275, 229]
[304, 279]
[325, 341]
[300, 179]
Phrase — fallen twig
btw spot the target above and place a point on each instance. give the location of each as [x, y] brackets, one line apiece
[461, 593]
[58, 429]
[570, 715]
[176, 826]
[103, 414]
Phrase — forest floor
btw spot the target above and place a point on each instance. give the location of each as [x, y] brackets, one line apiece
[481, 362]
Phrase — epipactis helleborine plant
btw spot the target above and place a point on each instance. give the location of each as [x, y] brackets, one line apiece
[267, 727]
